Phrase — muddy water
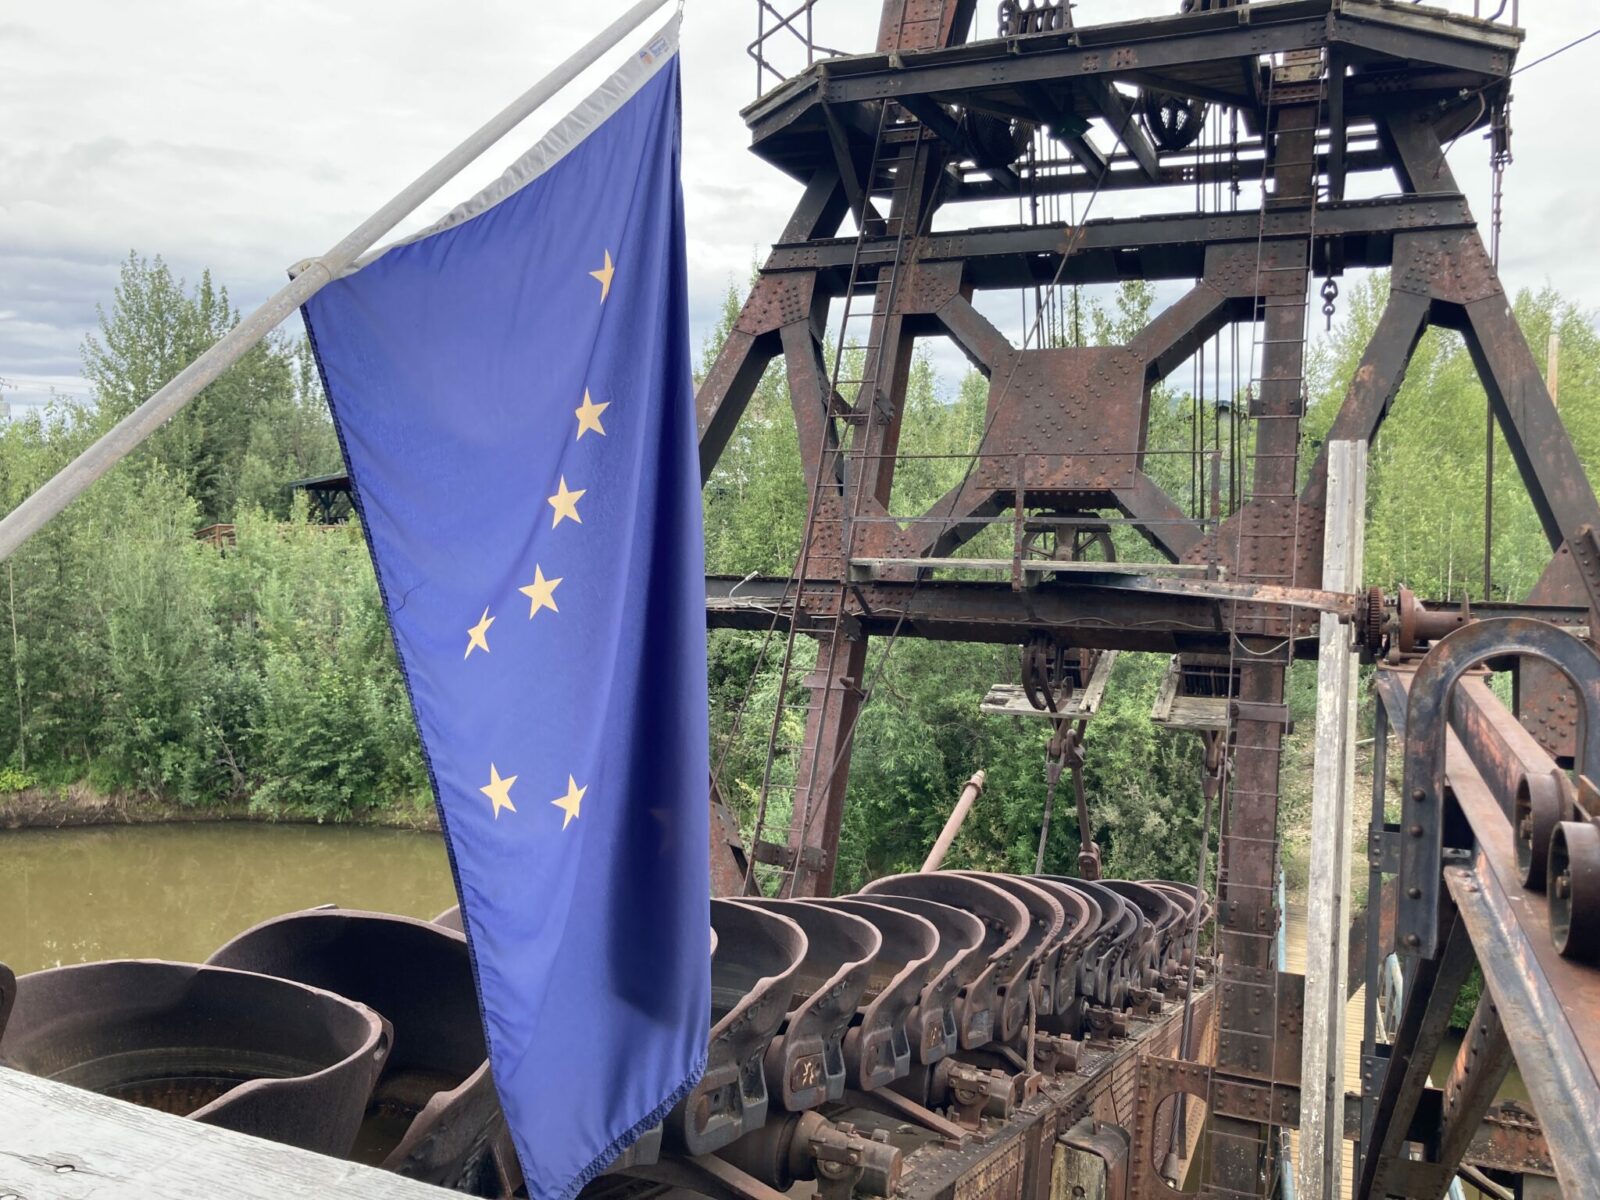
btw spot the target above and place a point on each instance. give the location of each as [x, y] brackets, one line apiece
[180, 891]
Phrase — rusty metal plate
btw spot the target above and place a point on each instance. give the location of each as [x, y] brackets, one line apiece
[1158, 1079]
[1262, 1013]
[776, 301]
[1265, 270]
[926, 287]
[997, 1178]
[1447, 266]
[1065, 420]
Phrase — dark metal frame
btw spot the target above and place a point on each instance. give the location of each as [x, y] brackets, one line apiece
[1460, 901]
[1068, 427]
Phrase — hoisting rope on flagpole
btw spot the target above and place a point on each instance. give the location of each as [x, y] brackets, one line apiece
[310, 277]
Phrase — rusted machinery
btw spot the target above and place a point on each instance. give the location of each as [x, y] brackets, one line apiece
[975, 1036]
[248, 1052]
[1488, 819]
[1248, 128]
[850, 1036]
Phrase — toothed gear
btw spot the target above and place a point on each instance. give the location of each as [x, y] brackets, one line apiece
[1374, 621]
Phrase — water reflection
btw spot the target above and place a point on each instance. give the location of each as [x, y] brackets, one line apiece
[180, 891]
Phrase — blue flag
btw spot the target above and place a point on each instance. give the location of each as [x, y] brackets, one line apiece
[512, 391]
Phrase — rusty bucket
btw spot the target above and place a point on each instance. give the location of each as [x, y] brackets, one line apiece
[434, 1114]
[246, 1052]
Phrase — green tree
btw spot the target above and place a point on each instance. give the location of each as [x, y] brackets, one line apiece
[1425, 500]
[260, 425]
[921, 733]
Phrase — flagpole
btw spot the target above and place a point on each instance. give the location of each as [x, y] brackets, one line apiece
[311, 277]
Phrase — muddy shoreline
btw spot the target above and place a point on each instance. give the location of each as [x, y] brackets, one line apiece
[79, 805]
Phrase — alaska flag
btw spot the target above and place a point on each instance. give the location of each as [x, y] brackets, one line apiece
[512, 391]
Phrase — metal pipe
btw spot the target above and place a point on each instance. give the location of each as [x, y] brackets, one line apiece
[952, 826]
[121, 439]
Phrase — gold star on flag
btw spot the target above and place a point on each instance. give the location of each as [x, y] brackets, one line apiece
[499, 791]
[478, 635]
[565, 503]
[541, 592]
[604, 275]
[589, 416]
[569, 803]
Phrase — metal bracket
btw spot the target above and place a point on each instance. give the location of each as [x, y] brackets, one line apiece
[1253, 710]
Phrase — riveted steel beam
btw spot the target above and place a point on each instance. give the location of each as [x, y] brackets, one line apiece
[1115, 249]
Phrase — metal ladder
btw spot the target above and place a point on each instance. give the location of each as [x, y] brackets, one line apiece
[1261, 553]
[857, 404]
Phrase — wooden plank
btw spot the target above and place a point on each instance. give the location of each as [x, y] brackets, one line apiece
[1010, 700]
[1161, 578]
[1321, 1160]
[1095, 690]
[1169, 691]
[1201, 713]
[1197, 712]
[867, 568]
[69, 1144]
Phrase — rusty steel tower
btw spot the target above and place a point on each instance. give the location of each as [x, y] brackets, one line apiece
[1268, 146]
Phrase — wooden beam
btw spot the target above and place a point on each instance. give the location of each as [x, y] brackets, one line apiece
[71, 1144]
[1328, 892]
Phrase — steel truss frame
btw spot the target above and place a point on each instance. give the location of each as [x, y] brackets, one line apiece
[1068, 428]
[1459, 900]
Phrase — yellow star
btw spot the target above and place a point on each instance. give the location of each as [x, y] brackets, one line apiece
[499, 791]
[604, 275]
[478, 635]
[566, 503]
[589, 416]
[541, 592]
[570, 802]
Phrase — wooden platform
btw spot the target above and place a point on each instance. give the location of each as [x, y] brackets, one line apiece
[1009, 700]
[65, 1143]
[1160, 578]
[1202, 713]
[864, 570]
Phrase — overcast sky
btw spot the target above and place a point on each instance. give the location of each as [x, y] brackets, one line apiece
[244, 136]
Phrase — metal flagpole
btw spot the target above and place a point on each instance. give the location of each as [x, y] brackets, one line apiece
[70, 482]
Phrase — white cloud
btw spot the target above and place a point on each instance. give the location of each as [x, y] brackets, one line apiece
[243, 137]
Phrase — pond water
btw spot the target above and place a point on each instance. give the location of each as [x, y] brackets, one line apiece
[180, 891]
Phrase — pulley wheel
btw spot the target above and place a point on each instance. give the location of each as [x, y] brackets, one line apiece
[1173, 122]
[1573, 890]
[1535, 813]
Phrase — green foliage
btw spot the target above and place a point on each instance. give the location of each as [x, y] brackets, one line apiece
[141, 658]
[260, 425]
[14, 779]
[136, 657]
[1425, 499]
[923, 736]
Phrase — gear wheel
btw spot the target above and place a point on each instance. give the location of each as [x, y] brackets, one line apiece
[1372, 622]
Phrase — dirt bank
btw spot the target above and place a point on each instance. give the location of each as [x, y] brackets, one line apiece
[79, 804]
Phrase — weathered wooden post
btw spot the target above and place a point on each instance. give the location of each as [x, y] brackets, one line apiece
[1333, 784]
